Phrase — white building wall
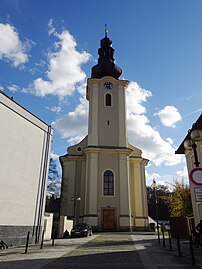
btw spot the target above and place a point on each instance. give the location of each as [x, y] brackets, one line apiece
[20, 167]
[24, 159]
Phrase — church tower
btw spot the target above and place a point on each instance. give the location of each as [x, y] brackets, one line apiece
[105, 172]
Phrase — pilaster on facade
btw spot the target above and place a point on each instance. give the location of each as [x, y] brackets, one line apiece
[125, 209]
[138, 192]
[91, 184]
[123, 141]
[92, 95]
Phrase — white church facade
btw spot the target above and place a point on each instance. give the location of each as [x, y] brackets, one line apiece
[103, 176]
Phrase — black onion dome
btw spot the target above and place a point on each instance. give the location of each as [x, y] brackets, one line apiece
[106, 65]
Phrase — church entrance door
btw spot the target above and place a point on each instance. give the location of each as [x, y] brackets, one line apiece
[109, 222]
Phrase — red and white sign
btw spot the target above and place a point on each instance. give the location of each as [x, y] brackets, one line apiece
[196, 176]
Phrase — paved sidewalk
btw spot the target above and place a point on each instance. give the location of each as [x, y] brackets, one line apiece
[158, 256]
[36, 258]
[104, 250]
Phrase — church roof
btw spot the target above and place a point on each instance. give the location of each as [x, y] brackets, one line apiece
[106, 65]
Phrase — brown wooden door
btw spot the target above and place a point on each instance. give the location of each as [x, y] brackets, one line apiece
[109, 222]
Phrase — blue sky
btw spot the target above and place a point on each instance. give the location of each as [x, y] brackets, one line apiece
[47, 49]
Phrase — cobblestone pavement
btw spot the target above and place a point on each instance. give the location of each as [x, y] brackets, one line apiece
[114, 251]
[36, 258]
[104, 250]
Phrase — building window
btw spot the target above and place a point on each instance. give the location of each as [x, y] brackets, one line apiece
[108, 99]
[79, 149]
[108, 183]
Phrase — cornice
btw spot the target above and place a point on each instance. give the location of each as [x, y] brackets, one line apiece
[107, 149]
[107, 78]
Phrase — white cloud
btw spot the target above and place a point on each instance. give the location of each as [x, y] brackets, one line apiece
[154, 147]
[73, 125]
[152, 176]
[170, 141]
[56, 109]
[54, 156]
[12, 48]
[52, 30]
[183, 173]
[1, 88]
[13, 88]
[64, 67]
[135, 96]
[141, 134]
[169, 116]
[158, 178]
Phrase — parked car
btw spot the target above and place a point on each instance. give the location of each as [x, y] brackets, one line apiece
[81, 229]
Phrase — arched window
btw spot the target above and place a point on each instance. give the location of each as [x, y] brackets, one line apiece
[108, 99]
[108, 183]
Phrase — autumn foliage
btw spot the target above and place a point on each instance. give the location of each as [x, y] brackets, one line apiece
[174, 200]
[180, 200]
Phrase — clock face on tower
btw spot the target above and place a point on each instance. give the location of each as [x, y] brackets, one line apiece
[108, 85]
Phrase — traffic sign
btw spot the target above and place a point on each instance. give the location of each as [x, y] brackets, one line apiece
[198, 194]
[196, 176]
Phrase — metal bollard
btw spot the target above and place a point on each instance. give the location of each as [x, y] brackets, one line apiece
[179, 247]
[164, 243]
[27, 243]
[163, 229]
[191, 251]
[42, 240]
[170, 242]
[158, 233]
[53, 237]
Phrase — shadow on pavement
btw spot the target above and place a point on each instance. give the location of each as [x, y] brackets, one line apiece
[116, 251]
[122, 259]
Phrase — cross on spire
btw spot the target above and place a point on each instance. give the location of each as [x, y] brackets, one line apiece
[106, 30]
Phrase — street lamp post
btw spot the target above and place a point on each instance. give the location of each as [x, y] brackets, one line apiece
[75, 199]
[154, 187]
[194, 136]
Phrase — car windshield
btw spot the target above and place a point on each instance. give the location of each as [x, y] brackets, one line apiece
[81, 225]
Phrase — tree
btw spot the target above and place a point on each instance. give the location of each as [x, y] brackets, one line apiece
[54, 179]
[180, 200]
[163, 208]
[171, 203]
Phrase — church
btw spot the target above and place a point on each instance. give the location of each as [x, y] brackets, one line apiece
[103, 176]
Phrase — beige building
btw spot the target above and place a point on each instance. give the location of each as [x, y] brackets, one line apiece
[191, 147]
[103, 176]
[24, 153]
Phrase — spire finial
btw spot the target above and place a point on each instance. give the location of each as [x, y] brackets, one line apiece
[106, 30]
